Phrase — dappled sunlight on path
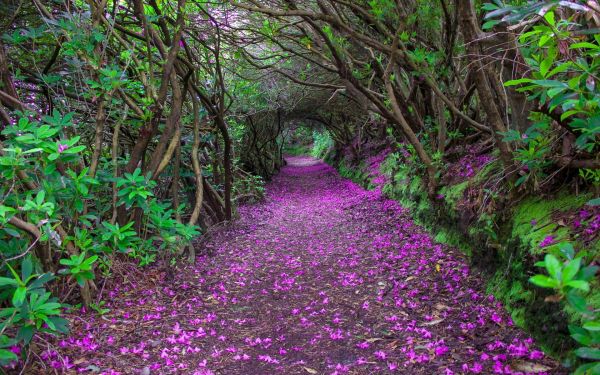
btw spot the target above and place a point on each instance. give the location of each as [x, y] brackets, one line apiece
[323, 277]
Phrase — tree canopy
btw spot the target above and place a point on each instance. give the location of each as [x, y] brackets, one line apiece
[128, 128]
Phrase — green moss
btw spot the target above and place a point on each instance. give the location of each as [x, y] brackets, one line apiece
[513, 294]
[518, 316]
[454, 193]
[441, 237]
[453, 238]
[538, 211]
[424, 205]
[404, 188]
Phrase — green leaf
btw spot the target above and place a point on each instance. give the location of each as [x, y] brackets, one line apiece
[78, 203]
[588, 272]
[4, 281]
[579, 284]
[592, 326]
[489, 6]
[549, 83]
[555, 91]
[26, 333]
[49, 323]
[582, 339]
[15, 274]
[41, 280]
[552, 266]
[6, 356]
[89, 261]
[69, 262]
[589, 353]
[26, 268]
[571, 270]
[12, 232]
[543, 281]
[489, 24]
[588, 368]
[567, 250]
[515, 82]
[74, 150]
[80, 279]
[19, 296]
[39, 199]
[584, 45]
[580, 335]
[62, 325]
[594, 202]
[577, 302]
[545, 66]
[559, 69]
[549, 17]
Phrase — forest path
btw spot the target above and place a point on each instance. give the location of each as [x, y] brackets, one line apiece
[323, 277]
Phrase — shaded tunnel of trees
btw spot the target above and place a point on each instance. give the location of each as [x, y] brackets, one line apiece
[130, 128]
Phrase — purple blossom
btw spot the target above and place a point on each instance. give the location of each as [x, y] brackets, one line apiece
[380, 354]
[440, 350]
[547, 241]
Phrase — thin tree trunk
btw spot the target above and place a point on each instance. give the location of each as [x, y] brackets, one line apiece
[115, 162]
[199, 197]
[442, 124]
[175, 183]
[227, 165]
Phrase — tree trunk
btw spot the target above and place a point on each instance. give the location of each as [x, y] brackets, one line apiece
[199, 197]
[227, 165]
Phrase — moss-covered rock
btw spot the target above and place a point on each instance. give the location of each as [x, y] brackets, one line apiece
[533, 222]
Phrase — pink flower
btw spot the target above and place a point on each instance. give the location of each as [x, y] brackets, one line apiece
[380, 354]
[363, 345]
[496, 318]
[62, 148]
[477, 368]
[536, 354]
[441, 350]
[549, 240]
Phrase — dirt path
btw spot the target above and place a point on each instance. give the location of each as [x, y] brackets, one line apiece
[322, 278]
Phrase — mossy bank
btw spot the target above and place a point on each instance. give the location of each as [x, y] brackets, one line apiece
[502, 242]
